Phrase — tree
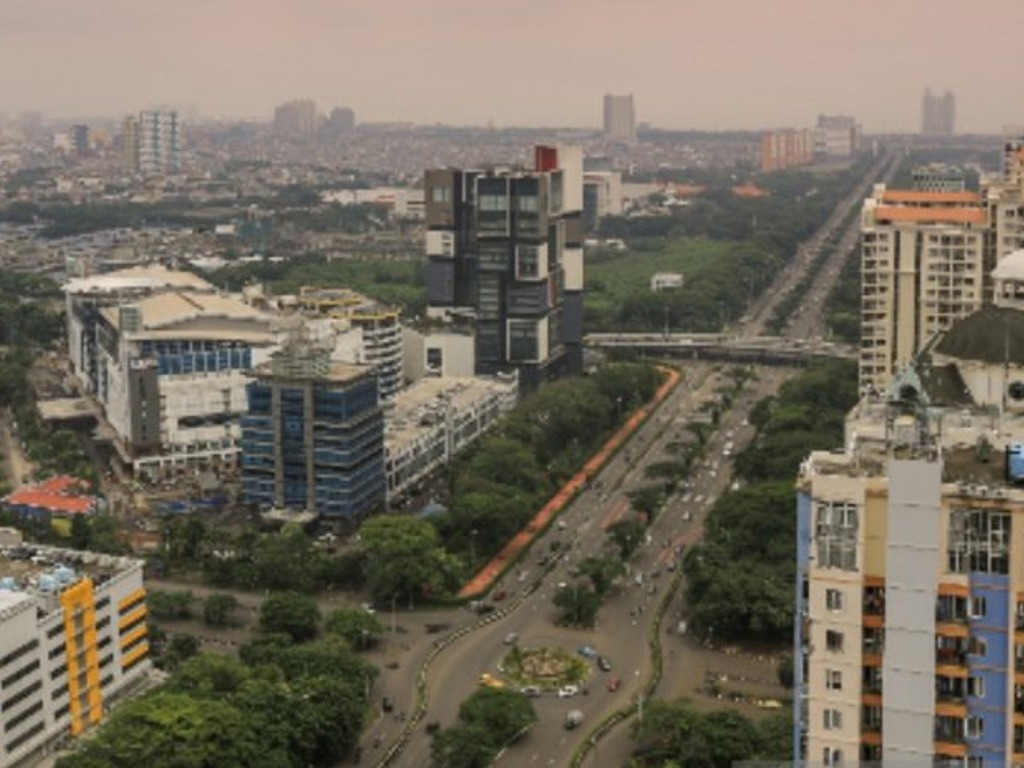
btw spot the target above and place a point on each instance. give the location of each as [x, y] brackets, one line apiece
[602, 572]
[577, 605]
[219, 609]
[406, 560]
[209, 674]
[79, 532]
[785, 671]
[292, 614]
[171, 730]
[361, 629]
[180, 648]
[170, 605]
[488, 721]
[627, 536]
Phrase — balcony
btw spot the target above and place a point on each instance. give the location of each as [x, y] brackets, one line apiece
[871, 680]
[950, 689]
[874, 601]
[949, 730]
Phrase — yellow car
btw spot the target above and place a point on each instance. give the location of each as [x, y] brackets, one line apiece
[491, 681]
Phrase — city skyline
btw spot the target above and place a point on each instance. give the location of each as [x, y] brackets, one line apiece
[701, 65]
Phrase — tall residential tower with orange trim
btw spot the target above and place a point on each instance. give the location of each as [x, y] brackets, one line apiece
[73, 642]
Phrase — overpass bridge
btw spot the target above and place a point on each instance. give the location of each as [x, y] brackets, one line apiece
[762, 350]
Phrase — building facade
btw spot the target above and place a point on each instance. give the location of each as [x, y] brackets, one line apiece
[313, 435]
[73, 642]
[619, 117]
[788, 148]
[837, 136]
[297, 118]
[505, 253]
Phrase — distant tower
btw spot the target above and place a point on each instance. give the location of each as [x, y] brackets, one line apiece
[296, 118]
[938, 113]
[619, 117]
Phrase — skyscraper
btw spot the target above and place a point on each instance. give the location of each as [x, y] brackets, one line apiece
[505, 250]
[152, 142]
[938, 113]
[619, 117]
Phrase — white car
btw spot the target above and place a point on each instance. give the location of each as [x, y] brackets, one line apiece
[567, 691]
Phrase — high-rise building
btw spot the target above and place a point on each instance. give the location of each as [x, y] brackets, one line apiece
[938, 112]
[927, 258]
[505, 254]
[313, 436]
[342, 120]
[619, 117]
[924, 264]
[296, 118]
[909, 639]
[152, 142]
[73, 643]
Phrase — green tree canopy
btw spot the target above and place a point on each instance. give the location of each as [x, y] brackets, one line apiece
[292, 614]
[406, 559]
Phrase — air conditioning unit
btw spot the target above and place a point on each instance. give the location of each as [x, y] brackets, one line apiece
[982, 491]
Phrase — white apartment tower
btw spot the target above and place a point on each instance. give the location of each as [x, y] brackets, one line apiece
[619, 117]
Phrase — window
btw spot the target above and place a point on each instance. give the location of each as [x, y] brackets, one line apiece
[834, 679]
[833, 719]
[975, 727]
[836, 534]
[831, 756]
[976, 687]
[979, 540]
[979, 607]
[834, 599]
[977, 646]
[834, 640]
[975, 761]
[441, 194]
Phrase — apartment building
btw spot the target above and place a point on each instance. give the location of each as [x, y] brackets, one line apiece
[925, 258]
[938, 113]
[152, 142]
[73, 642]
[909, 641]
[786, 148]
[505, 253]
[313, 434]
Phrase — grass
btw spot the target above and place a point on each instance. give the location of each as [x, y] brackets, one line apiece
[613, 276]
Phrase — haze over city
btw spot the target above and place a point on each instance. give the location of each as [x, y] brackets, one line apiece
[701, 64]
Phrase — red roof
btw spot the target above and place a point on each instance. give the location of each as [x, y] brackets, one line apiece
[62, 494]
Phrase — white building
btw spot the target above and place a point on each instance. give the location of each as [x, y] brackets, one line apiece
[73, 641]
[437, 353]
[432, 420]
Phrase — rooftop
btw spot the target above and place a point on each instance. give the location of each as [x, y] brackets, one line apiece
[920, 196]
[991, 335]
[44, 572]
[60, 495]
[1010, 267]
[428, 400]
[951, 215]
[139, 278]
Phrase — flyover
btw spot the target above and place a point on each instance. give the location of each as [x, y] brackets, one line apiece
[760, 350]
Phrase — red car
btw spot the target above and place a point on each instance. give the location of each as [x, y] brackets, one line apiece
[613, 683]
[498, 596]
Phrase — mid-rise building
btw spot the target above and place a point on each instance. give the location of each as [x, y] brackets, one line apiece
[313, 434]
[938, 177]
[925, 263]
[938, 113]
[152, 142]
[837, 136]
[786, 148]
[602, 196]
[619, 117]
[909, 642]
[342, 120]
[433, 420]
[73, 643]
[505, 252]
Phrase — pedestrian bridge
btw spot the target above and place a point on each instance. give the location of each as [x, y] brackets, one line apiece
[765, 350]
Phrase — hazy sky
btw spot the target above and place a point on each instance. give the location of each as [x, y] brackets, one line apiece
[706, 64]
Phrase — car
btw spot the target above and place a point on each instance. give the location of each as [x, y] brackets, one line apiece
[587, 651]
[511, 638]
[532, 691]
[490, 681]
[613, 683]
[369, 608]
[567, 691]
[604, 664]
[498, 596]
